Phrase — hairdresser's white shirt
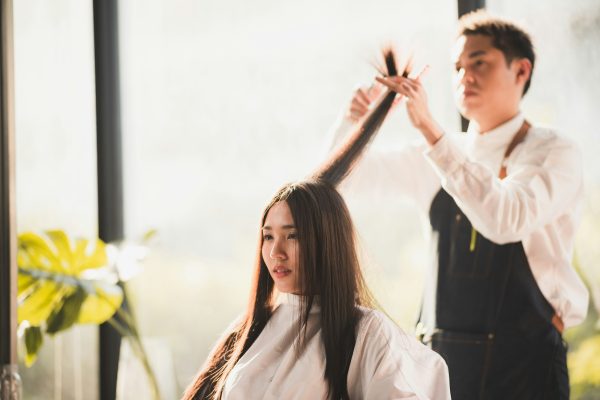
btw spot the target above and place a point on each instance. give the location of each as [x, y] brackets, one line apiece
[386, 363]
[539, 202]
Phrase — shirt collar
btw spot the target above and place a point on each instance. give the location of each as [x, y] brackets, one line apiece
[295, 300]
[495, 140]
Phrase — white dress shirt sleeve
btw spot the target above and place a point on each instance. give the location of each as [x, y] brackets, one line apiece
[535, 192]
[382, 173]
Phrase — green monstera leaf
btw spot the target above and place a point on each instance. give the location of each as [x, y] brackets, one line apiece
[54, 288]
[33, 341]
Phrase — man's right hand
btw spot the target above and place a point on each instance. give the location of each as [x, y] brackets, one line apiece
[362, 99]
[416, 104]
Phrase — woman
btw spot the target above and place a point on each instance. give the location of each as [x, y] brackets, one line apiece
[309, 331]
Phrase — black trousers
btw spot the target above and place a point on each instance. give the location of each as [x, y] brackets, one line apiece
[486, 367]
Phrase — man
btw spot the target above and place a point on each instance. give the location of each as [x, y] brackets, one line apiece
[504, 201]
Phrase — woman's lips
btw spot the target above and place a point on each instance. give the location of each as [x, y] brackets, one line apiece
[281, 272]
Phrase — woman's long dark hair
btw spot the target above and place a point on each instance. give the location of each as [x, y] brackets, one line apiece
[338, 166]
[329, 268]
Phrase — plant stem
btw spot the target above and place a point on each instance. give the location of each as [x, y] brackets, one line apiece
[129, 330]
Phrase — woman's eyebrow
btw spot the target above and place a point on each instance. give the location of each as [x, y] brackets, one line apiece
[267, 227]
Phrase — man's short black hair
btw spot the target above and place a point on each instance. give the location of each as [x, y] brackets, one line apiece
[506, 36]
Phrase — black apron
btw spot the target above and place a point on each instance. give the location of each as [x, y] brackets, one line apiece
[494, 325]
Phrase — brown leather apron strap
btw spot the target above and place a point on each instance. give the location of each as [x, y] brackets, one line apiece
[558, 323]
[518, 138]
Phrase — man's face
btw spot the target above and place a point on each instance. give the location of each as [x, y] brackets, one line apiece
[485, 86]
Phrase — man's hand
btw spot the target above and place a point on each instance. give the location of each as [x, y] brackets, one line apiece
[416, 105]
[362, 99]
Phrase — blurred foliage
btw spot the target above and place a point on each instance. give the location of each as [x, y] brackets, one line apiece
[64, 281]
[53, 293]
[584, 369]
[584, 353]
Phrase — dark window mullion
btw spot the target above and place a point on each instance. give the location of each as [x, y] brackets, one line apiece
[110, 166]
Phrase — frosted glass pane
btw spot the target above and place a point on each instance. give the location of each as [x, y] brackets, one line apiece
[56, 164]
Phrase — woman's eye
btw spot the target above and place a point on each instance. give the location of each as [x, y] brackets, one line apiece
[267, 237]
[292, 236]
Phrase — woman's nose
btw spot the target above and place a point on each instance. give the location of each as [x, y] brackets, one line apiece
[277, 251]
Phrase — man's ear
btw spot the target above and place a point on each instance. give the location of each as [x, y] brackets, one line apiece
[523, 70]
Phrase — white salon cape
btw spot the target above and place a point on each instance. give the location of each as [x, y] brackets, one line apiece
[539, 203]
[386, 363]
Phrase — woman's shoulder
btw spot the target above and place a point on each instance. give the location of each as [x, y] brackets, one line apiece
[390, 359]
[376, 320]
[377, 330]
[372, 319]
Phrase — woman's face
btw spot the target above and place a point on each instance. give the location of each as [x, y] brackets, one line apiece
[280, 248]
